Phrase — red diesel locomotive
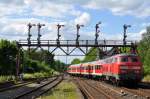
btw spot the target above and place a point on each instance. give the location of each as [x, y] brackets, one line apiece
[120, 68]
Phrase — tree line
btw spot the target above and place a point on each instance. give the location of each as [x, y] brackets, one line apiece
[36, 61]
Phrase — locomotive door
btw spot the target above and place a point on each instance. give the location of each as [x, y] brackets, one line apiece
[80, 69]
[89, 71]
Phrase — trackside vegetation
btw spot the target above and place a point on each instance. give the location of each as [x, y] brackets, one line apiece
[65, 90]
[36, 64]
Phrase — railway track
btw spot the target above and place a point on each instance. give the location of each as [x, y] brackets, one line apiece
[141, 93]
[32, 94]
[18, 92]
[16, 86]
[91, 91]
[23, 83]
[125, 92]
[111, 92]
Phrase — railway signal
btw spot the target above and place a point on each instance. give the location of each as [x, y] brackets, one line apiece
[29, 31]
[58, 35]
[39, 30]
[124, 34]
[97, 32]
[29, 35]
[78, 28]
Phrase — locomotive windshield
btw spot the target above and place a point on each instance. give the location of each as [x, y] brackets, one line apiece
[134, 59]
[124, 59]
[129, 59]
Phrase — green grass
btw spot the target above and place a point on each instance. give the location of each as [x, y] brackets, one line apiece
[4, 78]
[65, 90]
[146, 78]
[36, 75]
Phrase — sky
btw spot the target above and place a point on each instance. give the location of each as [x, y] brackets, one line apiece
[16, 14]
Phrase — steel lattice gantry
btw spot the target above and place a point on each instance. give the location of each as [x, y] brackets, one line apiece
[72, 43]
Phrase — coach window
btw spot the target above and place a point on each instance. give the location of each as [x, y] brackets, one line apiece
[115, 59]
[96, 67]
[89, 68]
[82, 68]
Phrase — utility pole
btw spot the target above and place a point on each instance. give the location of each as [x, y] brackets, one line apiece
[97, 31]
[77, 38]
[39, 31]
[58, 34]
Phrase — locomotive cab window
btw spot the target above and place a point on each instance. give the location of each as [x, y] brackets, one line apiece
[114, 60]
[124, 59]
[134, 59]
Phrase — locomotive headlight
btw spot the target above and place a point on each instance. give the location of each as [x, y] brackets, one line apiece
[136, 67]
[123, 71]
[137, 71]
[123, 67]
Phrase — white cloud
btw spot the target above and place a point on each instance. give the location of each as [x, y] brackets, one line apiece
[63, 8]
[84, 18]
[145, 24]
[37, 8]
[139, 8]
[142, 31]
[18, 27]
[52, 10]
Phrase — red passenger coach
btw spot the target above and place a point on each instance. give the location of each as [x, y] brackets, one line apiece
[74, 69]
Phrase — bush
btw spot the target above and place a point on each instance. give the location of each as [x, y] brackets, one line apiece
[146, 78]
[32, 66]
[4, 78]
[37, 75]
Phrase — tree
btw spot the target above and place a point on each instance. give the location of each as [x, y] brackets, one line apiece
[91, 55]
[76, 61]
[144, 52]
[8, 51]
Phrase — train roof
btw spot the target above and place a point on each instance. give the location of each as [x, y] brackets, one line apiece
[75, 65]
[117, 55]
[122, 54]
[126, 54]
